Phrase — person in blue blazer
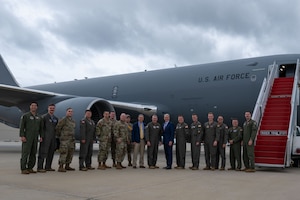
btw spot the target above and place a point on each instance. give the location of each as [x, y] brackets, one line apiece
[168, 140]
[138, 140]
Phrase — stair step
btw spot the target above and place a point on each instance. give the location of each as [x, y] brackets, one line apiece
[270, 143]
[282, 85]
[273, 132]
[274, 127]
[270, 148]
[280, 99]
[284, 79]
[271, 137]
[276, 83]
[269, 154]
[269, 113]
[269, 160]
[276, 118]
[274, 122]
[278, 110]
[281, 92]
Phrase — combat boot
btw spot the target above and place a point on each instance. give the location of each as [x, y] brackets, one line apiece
[69, 168]
[102, 167]
[90, 168]
[122, 165]
[61, 168]
[118, 166]
[25, 171]
[99, 165]
[108, 167]
[83, 169]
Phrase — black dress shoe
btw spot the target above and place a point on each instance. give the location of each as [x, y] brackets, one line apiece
[142, 166]
[167, 167]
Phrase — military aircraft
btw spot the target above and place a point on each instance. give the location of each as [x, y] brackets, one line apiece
[268, 86]
[225, 88]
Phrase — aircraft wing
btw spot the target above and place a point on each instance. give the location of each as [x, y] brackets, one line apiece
[134, 107]
[16, 96]
[13, 95]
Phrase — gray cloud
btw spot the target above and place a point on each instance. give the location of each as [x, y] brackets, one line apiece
[173, 28]
[157, 32]
[15, 33]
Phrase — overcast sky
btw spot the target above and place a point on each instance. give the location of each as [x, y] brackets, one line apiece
[61, 40]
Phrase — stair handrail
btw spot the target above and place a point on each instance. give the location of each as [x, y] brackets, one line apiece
[293, 116]
[264, 93]
[257, 112]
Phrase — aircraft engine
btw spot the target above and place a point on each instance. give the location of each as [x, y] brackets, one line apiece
[79, 105]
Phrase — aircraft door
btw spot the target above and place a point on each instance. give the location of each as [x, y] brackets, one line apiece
[287, 70]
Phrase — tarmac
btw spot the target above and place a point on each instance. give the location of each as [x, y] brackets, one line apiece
[129, 183]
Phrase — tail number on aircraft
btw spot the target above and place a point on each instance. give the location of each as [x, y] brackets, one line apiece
[226, 77]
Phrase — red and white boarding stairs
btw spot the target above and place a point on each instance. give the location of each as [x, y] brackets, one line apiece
[276, 113]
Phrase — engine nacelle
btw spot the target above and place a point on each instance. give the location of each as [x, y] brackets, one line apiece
[79, 105]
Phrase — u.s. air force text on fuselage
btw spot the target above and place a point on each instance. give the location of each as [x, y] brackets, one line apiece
[221, 77]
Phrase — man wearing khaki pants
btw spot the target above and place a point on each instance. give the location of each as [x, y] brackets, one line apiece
[138, 140]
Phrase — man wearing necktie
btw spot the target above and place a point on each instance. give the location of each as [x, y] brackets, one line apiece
[168, 140]
[138, 139]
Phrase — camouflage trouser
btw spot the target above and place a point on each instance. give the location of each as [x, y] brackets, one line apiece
[121, 150]
[66, 150]
[104, 147]
[113, 148]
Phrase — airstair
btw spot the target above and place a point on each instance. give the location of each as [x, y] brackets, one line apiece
[276, 113]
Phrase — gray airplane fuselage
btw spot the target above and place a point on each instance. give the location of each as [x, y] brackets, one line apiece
[224, 88]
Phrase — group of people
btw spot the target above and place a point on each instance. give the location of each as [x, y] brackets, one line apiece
[121, 137]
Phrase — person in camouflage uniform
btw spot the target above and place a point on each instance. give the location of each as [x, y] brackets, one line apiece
[129, 145]
[112, 116]
[30, 129]
[103, 132]
[121, 138]
[65, 130]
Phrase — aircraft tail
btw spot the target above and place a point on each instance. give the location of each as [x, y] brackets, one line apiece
[6, 76]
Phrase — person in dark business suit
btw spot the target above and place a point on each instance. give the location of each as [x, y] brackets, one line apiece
[168, 140]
